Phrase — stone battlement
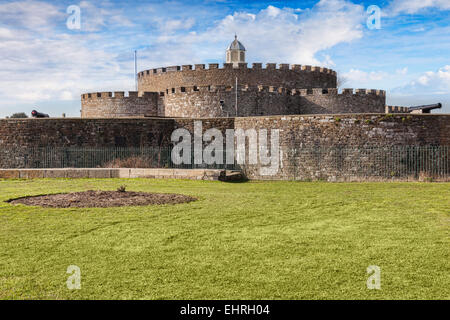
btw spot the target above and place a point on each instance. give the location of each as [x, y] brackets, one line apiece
[397, 109]
[116, 95]
[275, 89]
[117, 104]
[242, 66]
[282, 75]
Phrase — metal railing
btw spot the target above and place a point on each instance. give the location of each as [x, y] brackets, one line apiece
[301, 163]
[383, 162]
[96, 157]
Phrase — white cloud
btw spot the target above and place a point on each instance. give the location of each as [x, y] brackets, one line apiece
[270, 35]
[94, 18]
[413, 6]
[41, 60]
[358, 76]
[287, 36]
[30, 14]
[402, 71]
[431, 82]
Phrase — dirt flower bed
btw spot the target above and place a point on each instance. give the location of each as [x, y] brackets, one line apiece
[102, 199]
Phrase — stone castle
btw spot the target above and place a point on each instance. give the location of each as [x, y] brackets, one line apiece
[323, 133]
[234, 91]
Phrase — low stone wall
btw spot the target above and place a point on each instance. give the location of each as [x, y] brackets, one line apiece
[191, 174]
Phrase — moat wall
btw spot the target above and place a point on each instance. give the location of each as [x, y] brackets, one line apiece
[361, 131]
[309, 144]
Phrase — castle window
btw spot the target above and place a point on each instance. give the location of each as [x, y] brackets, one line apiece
[183, 89]
[148, 71]
[167, 90]
[325, 91]
[99, 95]
[309, 91]
[196, 88]
[161, 94]
[89, 95]
[173, 90]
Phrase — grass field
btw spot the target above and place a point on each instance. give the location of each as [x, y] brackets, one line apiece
[254, 240]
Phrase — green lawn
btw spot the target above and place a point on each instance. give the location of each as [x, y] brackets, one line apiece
[254, 240]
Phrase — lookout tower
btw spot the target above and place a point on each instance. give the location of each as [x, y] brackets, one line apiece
[235, 52]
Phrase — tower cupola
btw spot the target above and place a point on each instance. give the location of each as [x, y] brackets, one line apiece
[235, 52]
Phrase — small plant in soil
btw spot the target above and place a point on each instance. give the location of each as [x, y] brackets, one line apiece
[122, 189]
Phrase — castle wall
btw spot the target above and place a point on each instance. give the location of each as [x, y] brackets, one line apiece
[116, 105]
[72, 132]
[205, 102]
[198, 102]
[319, 101]
[288, 76]
[308, 134]
[208, 93]
[338, 147]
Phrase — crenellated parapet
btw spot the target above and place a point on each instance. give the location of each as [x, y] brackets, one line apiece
[116, 95]
[241, 66]
[119, 104]
[397, 109]
[270, 74]
[330, 101]
[220, 101]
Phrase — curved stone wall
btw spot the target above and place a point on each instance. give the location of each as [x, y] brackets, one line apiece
[328, 101]
[117, 105]
[295, 76]
[220, 101]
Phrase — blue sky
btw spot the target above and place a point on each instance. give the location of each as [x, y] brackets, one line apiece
[45, 64]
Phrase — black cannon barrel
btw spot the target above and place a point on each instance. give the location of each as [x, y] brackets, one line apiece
[36, 114]
[428, 106]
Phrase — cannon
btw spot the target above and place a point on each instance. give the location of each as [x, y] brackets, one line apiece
[425, 108]
[36, 114]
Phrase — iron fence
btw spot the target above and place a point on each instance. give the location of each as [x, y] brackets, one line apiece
[97, 157]
[383, 162]
[300, 163]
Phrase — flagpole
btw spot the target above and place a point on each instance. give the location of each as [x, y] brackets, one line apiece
[135, 71]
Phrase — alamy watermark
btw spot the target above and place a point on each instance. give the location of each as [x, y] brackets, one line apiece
[74, 20]
[229, 150]
[374, 19]
[74, 280]
[374, 279]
